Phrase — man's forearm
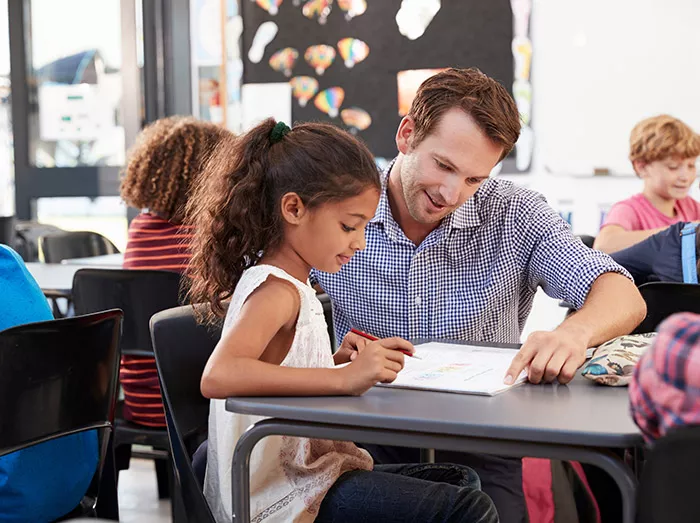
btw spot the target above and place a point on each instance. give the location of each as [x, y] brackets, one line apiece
[613, 307]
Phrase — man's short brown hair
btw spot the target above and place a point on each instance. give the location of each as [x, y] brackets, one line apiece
[486, 101]
[661, 137]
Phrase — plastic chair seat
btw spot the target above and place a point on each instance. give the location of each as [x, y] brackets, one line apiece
[128, 433]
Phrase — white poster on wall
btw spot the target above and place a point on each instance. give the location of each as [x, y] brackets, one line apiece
[260, 101]
[73, 112]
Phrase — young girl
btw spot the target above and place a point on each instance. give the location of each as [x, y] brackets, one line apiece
[663, 152]
[163, 163]
[275, 203]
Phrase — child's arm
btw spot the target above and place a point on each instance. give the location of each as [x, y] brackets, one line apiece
[613, 238]
[235, 368]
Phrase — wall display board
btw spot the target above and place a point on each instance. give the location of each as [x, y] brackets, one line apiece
[357, 63]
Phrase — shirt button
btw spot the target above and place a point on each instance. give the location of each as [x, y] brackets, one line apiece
[417, 301]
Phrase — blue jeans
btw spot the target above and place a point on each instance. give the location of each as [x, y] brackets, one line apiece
[420, 493]
[501, 478]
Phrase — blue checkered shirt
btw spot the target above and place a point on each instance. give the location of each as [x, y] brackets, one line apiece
[473, 278]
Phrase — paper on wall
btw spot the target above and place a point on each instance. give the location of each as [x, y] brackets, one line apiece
[260, 101]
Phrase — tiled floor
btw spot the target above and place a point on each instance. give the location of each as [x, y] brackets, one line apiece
[138, 495]
[138, 492]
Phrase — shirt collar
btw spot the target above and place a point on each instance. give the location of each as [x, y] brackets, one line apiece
[465, 216]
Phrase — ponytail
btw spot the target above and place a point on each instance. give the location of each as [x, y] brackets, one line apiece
[230, 215]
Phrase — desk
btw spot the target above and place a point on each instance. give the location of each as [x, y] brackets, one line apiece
[56, 279]
[578, 422]
[108, 261]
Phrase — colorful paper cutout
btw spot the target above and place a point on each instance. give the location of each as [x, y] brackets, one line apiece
[408, 83]
[352, 51]
[522, 53]
[320, 57]
[319, 8]
[352, 8]
[304, 88]
[284, 60]
[330, 100]
[271, 6]
[355, 118]
[521, 16]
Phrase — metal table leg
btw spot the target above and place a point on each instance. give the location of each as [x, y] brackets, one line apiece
[607, 461]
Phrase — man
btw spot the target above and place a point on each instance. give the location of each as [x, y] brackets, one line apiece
[454, 254]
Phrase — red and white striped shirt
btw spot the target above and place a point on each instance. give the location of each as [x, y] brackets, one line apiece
[155, 244]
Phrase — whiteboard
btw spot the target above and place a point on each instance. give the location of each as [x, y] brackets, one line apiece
[600, 66]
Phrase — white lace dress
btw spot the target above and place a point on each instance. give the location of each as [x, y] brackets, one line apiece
[288, 476]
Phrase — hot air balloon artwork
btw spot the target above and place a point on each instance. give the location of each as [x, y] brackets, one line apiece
[320, 57]
[356, 119]
[284, 60]
[353, 51]
[304, 88]
[271, 6]
[330, 100]
[352, 8]
[320, 8]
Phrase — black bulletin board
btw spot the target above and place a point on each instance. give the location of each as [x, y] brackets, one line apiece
[464, 33]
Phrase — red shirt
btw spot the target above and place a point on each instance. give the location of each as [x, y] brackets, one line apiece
[155, 244]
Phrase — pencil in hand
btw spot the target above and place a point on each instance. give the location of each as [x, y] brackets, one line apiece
[374, 338]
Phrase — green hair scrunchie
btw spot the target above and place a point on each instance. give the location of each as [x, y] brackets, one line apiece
[278, 132]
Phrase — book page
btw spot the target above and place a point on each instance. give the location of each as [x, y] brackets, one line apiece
[467, 369]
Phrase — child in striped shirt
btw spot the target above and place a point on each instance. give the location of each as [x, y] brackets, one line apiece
[166, 159]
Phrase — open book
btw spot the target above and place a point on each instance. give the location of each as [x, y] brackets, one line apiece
[464, 369]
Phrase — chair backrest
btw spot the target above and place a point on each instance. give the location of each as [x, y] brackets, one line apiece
[664, 299]
[7, 230]
[328, 314]
[27, 238]
[668, 490]
[182, 348]
[79, 244]
[57, 378]
[587, 240]
[140, 294]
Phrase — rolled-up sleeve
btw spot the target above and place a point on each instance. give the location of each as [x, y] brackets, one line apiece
[559, 262]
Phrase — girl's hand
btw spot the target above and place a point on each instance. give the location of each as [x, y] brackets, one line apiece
[349, 348]
[376, 362]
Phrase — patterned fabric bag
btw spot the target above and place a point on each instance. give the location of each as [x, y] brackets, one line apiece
[614, 361]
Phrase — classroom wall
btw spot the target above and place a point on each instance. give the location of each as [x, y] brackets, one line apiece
[598, 67]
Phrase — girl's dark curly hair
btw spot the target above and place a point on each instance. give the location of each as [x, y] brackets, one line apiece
[236, 212]
[164, 162]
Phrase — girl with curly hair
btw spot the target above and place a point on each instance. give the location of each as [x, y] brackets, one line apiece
[163, 165]
[275, 203]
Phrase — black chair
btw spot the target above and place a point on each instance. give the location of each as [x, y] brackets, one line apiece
[328, 313]
[668, 490]
[664, 299]
[81, 244]
[587, 240]
[182, 348]
[7, 231]
[58, 378]
[27, 234]
[140, 294]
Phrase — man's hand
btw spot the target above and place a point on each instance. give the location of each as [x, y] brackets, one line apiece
[550, 355]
